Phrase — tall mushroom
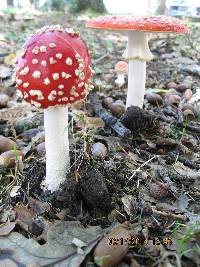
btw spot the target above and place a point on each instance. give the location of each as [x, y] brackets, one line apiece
[137, 50]
[52, 72]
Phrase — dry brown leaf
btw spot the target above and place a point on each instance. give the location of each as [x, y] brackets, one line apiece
[24, 217]
[5, 229]
[38, 206]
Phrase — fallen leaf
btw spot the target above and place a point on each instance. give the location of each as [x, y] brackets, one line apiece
[10, 60]
[38, 206]
[183, 170]
[127, 202]
[15, 191]
[109, 251]
[156, 90]
[90, 122]
[24, 217]
[58, 251]
[194, 218]
[182, 202]
[5, 72]
[7, 228]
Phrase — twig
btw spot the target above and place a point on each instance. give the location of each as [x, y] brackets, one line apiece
[169, 214]
[141, 166]
[109, 120]
[101, 58]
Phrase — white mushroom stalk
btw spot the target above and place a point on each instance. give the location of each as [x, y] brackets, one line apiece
[57, 146]
[137, 52]
[120, 79]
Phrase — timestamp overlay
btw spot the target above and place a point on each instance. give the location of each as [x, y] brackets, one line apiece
[138, 241]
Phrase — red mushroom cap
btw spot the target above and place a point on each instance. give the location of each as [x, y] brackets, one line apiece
[54, 68]
[139, 23]
[121, 67]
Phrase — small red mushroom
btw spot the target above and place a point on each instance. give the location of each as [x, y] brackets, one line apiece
[121, 69]
[137, 51]
[52, 72]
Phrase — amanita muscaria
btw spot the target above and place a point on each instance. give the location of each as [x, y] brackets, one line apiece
[137, 50]
[52, 72]
[121, 69]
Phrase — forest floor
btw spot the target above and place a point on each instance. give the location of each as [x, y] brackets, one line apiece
[141, 197]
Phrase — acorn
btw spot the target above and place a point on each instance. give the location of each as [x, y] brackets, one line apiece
[3, 100]
[29, 134]
[173, 91]
[188, 114]
[186, 84]
[41, 136]
[9, 158]
[190, 107]
[188, 94]
[117, 109]
[158, 190]
[173, 99]
[99, 150]
[41, 149]
[154, 99]
[171, 85]
[6, 144]
[119, 101]
[107, 102]
[108, 254]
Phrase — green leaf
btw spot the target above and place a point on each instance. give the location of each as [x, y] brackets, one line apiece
[156, 90]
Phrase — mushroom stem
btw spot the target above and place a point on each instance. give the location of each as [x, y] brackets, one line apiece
[57, 147]
[136, 83]
[120, 79]
[137, 52]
